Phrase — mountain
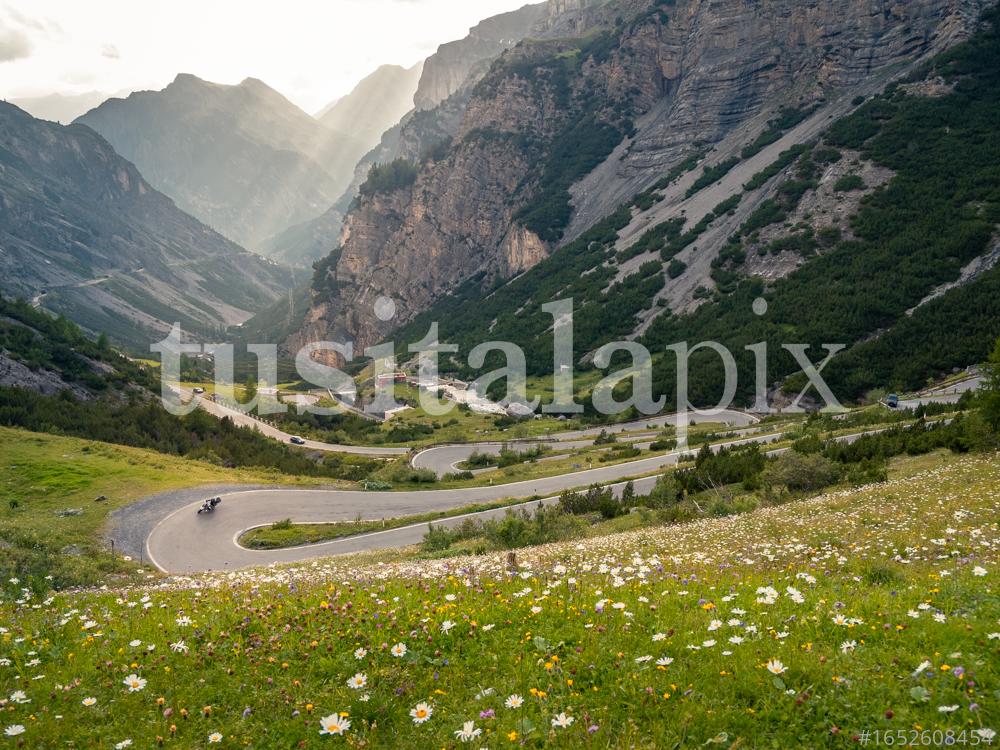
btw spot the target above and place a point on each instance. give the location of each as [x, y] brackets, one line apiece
[445, 80]
[450, 66]
[304, 243]
[318, 114]
[61, 108]
[660, 166]
[49, 355]
[374, 105]
[242, 158]
[82, 233]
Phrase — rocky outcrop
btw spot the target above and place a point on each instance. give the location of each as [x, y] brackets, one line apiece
[687, 74]
[416, 243]
[705, 68]
[520, 250]
[447, 70]
[14, 374]
[571, 17]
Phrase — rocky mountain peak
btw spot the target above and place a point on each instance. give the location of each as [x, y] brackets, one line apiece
[240, 157]
[563, 128]
[447, 69]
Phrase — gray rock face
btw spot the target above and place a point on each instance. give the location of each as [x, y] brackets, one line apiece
[689, 73]
[445, 84]
[714, 66]
[446, 70]
[381, 241]
[14, 374]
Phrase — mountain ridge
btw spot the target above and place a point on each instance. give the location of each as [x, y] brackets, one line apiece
[447, 76]
[84, 234]
[672, 77]
[878, 229]
[242, 158]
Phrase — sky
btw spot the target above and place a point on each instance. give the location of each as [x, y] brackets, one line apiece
[311, 51]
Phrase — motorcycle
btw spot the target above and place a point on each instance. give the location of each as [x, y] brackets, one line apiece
[209, 505]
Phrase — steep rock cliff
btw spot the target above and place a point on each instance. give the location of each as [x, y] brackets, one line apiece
[562, 130]
[447, 69]
[446, 81]
[714, 66]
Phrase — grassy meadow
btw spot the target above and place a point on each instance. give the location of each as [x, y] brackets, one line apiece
[50, 520]
[801, 625]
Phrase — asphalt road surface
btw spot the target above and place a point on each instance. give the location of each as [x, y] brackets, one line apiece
[444, 459]
[185, 542]
[948, 395]
[246, 420]
[179, 540]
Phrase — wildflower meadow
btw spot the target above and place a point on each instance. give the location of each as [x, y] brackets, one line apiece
[806, 625]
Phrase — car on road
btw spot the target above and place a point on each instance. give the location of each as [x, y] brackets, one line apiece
[892, 401]
[296, 440]
[198, 391]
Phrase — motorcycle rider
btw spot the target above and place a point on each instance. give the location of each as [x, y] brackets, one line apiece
[208, 505]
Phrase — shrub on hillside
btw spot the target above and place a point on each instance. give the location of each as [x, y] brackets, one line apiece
[384, 178]
[801, 472]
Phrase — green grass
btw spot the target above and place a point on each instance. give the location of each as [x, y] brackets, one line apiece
[268, 653]
[284, 534]
[44, 476]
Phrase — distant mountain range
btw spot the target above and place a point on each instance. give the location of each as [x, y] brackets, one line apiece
[374, 105]
[82, 233]
[242, 158]
[61, 108]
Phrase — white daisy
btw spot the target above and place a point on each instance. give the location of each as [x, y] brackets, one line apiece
[421, 712]
[134, 683]
[468, 732]
[562, 721]
[334, 724]
[358, 681]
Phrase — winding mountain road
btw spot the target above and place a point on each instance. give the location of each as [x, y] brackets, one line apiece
[243, 419]
[185, 542]
[178, 540]
[444, 459]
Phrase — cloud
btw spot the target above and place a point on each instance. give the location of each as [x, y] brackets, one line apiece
[110, 51]
[14, 45]
[26, 21]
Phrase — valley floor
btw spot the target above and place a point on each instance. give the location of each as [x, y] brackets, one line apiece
[803, 625]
